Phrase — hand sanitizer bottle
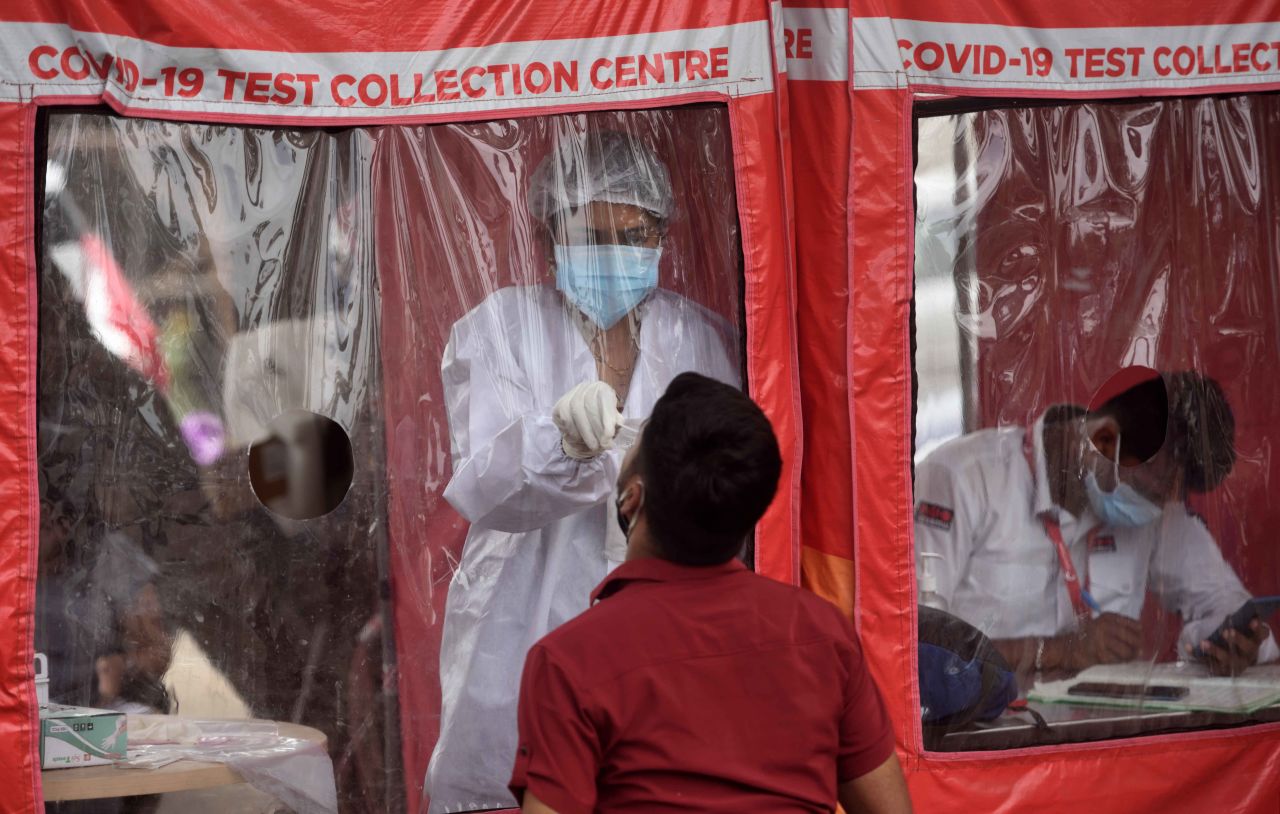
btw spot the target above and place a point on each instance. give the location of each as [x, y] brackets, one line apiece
[929, 595]
[42, 679]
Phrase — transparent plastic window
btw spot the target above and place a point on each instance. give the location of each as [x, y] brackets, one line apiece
[1097, 302]
[330, 420]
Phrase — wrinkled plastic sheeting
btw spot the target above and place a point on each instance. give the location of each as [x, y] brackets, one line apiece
[1055, 246]
[523, 233]
[433, 291]
[294, 771]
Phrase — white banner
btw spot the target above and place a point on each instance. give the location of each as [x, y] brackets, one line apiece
[889, 53]
[141, 76]
[817, 44]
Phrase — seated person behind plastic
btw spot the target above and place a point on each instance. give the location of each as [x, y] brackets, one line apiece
[1002, 507]
[537, 381]
[98, 615]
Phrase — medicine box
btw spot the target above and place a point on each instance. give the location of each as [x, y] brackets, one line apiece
[80, 736]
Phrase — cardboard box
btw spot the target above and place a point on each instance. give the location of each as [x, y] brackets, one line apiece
[80, 736]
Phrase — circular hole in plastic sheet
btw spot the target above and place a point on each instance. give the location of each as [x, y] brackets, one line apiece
[1139, 394]
[302, 468]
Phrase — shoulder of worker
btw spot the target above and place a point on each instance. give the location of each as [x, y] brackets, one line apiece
[978, 450]
[507, 310]
[1181, 520]
[514, 299]
[668, 305]
[510, 303]
[674, 315]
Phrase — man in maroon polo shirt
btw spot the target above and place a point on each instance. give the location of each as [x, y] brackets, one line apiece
[692, 684]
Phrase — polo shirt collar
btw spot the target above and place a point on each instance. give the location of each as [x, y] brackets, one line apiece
[652, 569]
[1041, 501]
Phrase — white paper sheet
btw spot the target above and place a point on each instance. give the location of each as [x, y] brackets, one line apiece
[1257, 687]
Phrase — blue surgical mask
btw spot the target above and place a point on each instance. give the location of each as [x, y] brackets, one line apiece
[606, 281]
[1123, 507]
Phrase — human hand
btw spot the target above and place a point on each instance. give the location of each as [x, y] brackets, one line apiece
[1106, 639]
[1241, 650]
[110, 670]
[587, 417]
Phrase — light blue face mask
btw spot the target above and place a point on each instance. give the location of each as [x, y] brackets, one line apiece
[1123, 507]
[606, 281]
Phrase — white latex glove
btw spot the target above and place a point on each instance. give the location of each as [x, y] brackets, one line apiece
[587, 417]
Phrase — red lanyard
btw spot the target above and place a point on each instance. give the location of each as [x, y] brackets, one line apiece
[1074, 589]
[1069, 575]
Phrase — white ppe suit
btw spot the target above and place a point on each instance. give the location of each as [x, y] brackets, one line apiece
[541, 522]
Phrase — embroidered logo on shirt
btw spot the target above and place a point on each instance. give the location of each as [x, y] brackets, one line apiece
[931, 514]
[1102, 543]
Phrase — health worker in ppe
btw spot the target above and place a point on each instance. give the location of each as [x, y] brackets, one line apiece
[1048, 538]
[539, 383]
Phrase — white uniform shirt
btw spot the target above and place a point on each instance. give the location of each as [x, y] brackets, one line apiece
[540, 521]
[979, 505]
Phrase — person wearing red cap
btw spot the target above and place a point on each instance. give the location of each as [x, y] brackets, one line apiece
[1048, 538]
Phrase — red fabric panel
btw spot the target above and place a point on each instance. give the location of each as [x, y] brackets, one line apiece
[19, 775]
[880, 390]
[348, 25]
[770, 315]
[820, 137]
[1226, 772]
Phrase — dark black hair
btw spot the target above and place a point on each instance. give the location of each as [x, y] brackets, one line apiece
[710, 464]
[1190, 413]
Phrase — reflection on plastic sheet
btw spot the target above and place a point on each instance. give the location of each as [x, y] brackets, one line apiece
[291, 769]
[609, 265]
[1096, 307]
[487, 311]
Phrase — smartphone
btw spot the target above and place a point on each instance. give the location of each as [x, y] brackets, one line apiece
[1136, 692]
[1260, 607]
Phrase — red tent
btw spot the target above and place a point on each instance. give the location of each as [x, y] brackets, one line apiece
[1038, 196]
[995, 207]
[321, 196]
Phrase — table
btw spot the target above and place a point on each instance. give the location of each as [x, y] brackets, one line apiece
[93, 782]
[1072, 723]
